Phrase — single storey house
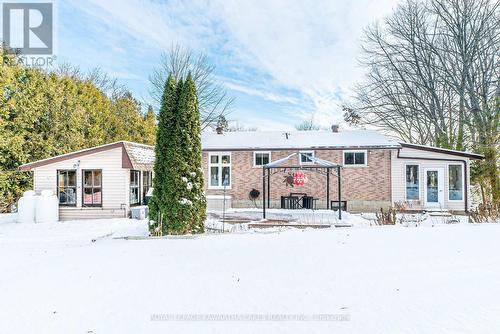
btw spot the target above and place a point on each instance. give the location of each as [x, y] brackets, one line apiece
[98, 182]
[377, 172]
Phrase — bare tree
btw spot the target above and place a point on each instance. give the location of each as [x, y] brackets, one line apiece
[108, 85]
[178, 61]
[433, 76]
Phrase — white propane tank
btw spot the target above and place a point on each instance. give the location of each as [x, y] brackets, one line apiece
[26, 207]
[47, 207]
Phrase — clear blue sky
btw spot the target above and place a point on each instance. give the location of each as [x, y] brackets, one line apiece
[283, 61]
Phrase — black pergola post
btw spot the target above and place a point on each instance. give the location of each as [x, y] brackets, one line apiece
[340, 193]
[268, 189]
[264, 192]
[328, 188]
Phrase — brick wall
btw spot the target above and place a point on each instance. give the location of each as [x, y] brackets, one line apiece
[363, 187]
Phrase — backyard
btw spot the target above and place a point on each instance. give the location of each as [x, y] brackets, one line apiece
[84, 277]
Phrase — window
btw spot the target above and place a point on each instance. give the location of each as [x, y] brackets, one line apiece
[455, 183]
[220, 170]
[147, 182]
[412, 185]
[135, 176]
[66, 187]
[261, 158]
[92, 191]
[305, 157]
[354, 158]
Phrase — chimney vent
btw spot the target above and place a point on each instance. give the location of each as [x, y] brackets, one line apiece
[335, 128]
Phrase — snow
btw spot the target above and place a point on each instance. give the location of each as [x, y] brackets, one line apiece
[295, 140]
[301, 215]
[317, 217]
[141, 155]
[80, 277]
[68, 232]
[216, 225]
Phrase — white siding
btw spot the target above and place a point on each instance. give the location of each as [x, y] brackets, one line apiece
[399, 178]
[114, 177]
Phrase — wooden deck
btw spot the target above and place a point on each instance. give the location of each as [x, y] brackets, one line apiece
[282, 223]
[235, 218]
[294, 225]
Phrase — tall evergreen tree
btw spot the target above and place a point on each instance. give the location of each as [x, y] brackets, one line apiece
[194, 175]
[174, 222]
[178, 185]
[164, 138]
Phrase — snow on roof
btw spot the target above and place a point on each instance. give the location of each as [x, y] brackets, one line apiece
[251, 140]
[141, 156]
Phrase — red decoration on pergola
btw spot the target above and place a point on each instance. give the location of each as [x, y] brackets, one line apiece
[299, 178]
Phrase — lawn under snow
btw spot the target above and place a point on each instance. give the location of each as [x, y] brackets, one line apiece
[75, 277]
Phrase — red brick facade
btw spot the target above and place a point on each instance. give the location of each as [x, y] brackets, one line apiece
[364, 187]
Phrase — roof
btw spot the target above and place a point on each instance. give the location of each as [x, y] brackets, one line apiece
[278, 140]
[140, 156]
[443, 150]
[134, 156]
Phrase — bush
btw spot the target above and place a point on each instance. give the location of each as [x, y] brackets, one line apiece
[386, 217]
[486, 213]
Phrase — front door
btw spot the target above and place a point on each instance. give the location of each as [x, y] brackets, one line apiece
[434, 185]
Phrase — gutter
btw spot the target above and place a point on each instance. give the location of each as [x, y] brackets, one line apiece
[319, 148]
[464, 162]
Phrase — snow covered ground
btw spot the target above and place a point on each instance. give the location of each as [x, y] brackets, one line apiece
[316, 217]
[75, 277]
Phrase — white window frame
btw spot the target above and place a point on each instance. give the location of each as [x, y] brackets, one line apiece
[448, 182]
[220, 165]
[255, 158]
[138, 173]
[419, 181]
[355, 151]
[300, 157]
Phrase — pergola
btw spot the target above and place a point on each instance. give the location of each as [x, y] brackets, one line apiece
[320, 166]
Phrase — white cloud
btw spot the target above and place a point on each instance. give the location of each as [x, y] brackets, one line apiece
[296, 52]
[263, 123]
[265, 94]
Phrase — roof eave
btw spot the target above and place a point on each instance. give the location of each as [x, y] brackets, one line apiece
[469, 155]
[126, 161]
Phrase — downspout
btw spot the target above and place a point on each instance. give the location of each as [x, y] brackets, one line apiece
[464, 162]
